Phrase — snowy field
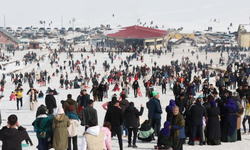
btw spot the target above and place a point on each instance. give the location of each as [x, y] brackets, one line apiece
[26, 117]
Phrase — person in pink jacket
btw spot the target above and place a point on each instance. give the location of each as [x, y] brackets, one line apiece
[106, 129]
[12, 96]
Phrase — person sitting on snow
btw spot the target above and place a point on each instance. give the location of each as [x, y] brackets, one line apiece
[40, 95]
[116, 88]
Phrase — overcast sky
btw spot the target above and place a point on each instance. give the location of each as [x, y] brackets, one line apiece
[94, 12]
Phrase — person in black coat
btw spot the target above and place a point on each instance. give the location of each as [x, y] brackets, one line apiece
[132, 116]
[181, 102]
[11, 137]
[135, 87]
[197, 112]
[177, 89]
[50, 101]
[84, 98]
[114, 115]
[213, 124]
[100, 92]
[241, 91]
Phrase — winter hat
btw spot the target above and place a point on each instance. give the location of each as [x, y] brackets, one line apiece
[60, 111]
[154, 93]
[70, 108]
[166, 131]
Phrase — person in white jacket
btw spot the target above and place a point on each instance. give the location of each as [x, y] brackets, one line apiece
[93, 138]
[72, 129]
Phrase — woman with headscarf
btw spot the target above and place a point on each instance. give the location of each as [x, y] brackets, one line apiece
[229, 130]
[163, 141]
[60, 125]
[213, 124]
[169, 109]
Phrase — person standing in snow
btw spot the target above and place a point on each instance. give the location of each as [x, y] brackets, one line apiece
[19, 96]
[93, 138]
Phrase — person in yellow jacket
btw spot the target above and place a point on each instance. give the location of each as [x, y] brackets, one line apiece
[19, 96]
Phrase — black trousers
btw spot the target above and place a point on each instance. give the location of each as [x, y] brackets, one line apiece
[135, 92]
[74, 143]
[130, 130]
[17, 102]
[180, 143]
[100, 96]
[117, 131]
[163, 90]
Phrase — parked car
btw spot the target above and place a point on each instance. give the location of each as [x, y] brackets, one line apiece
[39, 33]
[70, 29]
[18, 31]
[69, 41]
[26, 31]
[54, 44]
[77, 29]
[82, 41]
[42, 45]
[8, 28]
[19, 37]
[63, 31]
[197, 33]
[42, 29]
[48, 30]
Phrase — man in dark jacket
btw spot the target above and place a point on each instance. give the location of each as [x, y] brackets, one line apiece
[72, 102]
[100, 92]
[11, 137]
[132, 116]
[85, 98]
[124, 104]
[154, 112]
[197, 112]
[114, 115]
[88, 113]
[181, 102]
[50, 100]
[241, 91]
[135, 87]
[177, 88]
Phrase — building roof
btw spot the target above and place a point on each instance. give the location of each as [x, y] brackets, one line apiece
[137, 32]
[9, 35]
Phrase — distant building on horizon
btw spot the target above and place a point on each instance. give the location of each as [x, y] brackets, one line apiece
[244, 35]
[7, 39]
[138, 36]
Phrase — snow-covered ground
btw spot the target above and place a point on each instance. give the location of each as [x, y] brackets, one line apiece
[26, 117]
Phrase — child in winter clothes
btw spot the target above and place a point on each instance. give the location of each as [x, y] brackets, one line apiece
[72, 129]
[106, 129]
[12, 96]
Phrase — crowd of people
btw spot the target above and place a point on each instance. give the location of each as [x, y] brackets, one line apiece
[201, 109]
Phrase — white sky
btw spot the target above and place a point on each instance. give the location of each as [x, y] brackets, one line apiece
[191, 14]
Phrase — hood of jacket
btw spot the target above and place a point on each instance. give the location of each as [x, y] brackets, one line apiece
[95, 130]
[9, 133]
[60, 117]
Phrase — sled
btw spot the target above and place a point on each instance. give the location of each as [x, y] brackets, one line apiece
[139, 92]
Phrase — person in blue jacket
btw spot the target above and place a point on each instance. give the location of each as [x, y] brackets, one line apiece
[177, 129]
[154, 112]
